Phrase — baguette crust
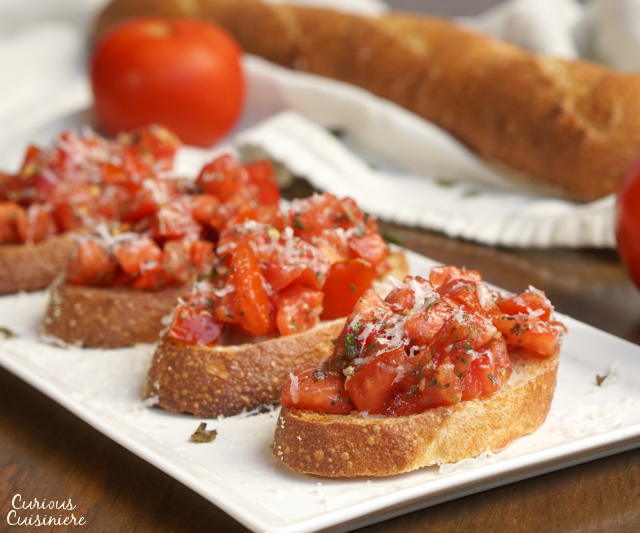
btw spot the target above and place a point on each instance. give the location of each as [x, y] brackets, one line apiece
[224, 380]
[210, 381]
[353, 445]
[31, 267]
[570, 127]
[107, 317]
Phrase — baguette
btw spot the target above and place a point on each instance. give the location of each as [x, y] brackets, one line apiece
[227, 379]
[569, 127]
[31, 267]
[355, 445]
[96, 317]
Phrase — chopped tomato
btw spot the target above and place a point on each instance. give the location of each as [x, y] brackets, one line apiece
[422, 327]
[10, 214]
[418, 349]
[251, 298]
[175, 220]
[263, 176]
[318, 388]
[346, 282]
[223, 177]
[444, 274]
[91, 265]
[194, 326]
[371, 386]
[370, 247]
[531, 302]
[201, 254]
[176, 260]
[293, 260]
[138, 255]
[521, 331]
[205, 208]
[297, 309]
[36, 225]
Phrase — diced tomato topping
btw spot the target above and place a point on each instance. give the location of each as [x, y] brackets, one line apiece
[373, 384]
[443, 274]
[425, 346]
[263, 176]
[223, 177]
[137, 255]
[345, 283]
[370, 247]
[531, 302]
[317, 388]
[11, 214]
[91, 265]
[251, 298]
[175, 220]
[194, 326]
[297, 309]
[520, 331]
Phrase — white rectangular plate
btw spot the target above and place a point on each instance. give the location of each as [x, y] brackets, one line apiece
[237, 472]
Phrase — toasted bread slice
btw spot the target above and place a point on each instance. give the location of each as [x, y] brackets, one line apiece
[225, 380]
[31, 267]
[108, 317]
[358, 445]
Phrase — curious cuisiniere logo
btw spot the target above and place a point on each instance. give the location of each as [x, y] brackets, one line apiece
[38, 512]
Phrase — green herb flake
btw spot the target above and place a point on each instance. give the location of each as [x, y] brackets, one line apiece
[350, 345]
[600, 379]
[492, 378]
[297, 223]
[391, 238]
[444, 182]
[337, 131]
[202, 434]
[6, 332]
[469, 193]
[352, 287]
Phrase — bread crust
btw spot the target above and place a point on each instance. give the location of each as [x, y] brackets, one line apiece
[225, 380]
[210, 381]
[355, 445]
[107, 317]
[31, 267]
[570, 127]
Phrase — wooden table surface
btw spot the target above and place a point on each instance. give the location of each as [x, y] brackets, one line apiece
[46, 452]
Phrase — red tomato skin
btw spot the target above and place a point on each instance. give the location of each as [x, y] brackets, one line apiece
[183, 74]
[298, 309]
[91, 265]
[346, 283]
[627, 223]
[250, 296]
[372, 385]
[194, 326]
[319, 389]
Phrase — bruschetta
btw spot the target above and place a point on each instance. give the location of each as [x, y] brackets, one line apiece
[81, 180]
[440, 370]
[119, 283]
[277, 297]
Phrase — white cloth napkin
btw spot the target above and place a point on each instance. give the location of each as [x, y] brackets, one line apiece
[44, 90]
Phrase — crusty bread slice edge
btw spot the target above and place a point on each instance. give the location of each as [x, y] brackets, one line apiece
[107, 317]
[355, 445]
[32, 267]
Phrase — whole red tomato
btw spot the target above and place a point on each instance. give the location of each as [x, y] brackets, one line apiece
[628, 223]
[183, 74]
